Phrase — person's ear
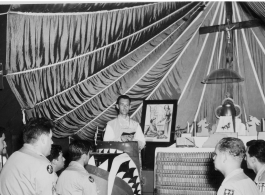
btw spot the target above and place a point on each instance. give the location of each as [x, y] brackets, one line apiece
[224, 156]
[83, 157]
[54, 161]
[253, 159]
[43, 139]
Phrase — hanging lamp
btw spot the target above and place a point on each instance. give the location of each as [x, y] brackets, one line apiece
[223, 75]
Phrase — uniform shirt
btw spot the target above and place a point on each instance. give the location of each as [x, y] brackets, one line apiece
[75, 180]
[237, 183]
[260, 180]
[115, 129]
[27, 172]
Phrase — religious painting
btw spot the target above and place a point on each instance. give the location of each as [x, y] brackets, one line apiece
[158, 119]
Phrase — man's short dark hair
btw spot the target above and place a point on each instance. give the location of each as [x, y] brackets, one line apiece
[55, 152]
[35, 128]
[77, 148]
[123, 97]
[233, 146]
[256, 148]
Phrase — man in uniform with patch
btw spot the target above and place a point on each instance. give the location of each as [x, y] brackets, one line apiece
[228, 156]
[75, 179]
[255, 157]
[123, 128]
[28, 171]
[57, 159]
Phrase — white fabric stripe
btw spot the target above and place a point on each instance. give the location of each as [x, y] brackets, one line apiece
[105, 68]
[259, 43]
[176, 59]
[196, 63]
[236, 38]
[106, 46]
[135, 82]
[238, 65]
[3, 13]
[250, 58]
[118, 79]
[211, 59]
[244, 110]
[80, 13]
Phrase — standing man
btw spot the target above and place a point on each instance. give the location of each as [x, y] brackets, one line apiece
[28, 171]
[228, 156]
[75, 180]
[123, 128]
[255, 157]
[57, 159]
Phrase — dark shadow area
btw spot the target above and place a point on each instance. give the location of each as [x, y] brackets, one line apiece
[148, 153]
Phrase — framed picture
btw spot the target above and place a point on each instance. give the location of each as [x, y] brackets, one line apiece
[158, 119]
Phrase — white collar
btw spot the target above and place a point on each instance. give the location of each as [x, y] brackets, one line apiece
[233, 173]
[30, 147]
[257, 178]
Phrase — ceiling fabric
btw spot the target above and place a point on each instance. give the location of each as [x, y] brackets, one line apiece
[71, 66]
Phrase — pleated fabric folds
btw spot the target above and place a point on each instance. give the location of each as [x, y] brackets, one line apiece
[71, 66]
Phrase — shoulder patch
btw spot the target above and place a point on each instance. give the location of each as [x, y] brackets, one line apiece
[228, 192]
[91, 179]
[50, 169]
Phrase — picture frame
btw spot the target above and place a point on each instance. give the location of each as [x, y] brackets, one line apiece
[158, 119]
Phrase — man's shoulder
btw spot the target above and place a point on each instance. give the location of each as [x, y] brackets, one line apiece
[73, 173]
[240, 180]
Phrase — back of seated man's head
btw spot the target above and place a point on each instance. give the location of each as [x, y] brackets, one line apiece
[256, 148]
[77, 148]
[38, 133]
[233, 146]
[56, 157]
[55, 152]
[123, 97]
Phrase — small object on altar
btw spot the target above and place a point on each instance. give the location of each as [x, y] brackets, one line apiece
[185, 142]
[228, 115]
[225, 124]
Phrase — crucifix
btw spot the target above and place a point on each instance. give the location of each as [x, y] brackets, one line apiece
[228, 28]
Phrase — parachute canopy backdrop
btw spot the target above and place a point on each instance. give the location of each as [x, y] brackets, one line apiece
[70, 62]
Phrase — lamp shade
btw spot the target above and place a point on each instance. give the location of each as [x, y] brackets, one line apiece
[222, 76]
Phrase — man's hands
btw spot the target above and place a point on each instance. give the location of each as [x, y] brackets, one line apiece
[126, 138]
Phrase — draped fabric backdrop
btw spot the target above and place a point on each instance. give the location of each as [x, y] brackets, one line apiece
[70, 62]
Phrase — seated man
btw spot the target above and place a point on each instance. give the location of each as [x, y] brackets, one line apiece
[57, 159]
[255, 157]
[28, 171]
[75, 179]
[123, 128]
[228, 156]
